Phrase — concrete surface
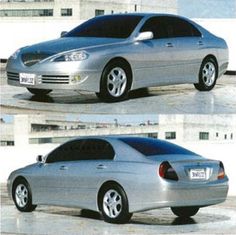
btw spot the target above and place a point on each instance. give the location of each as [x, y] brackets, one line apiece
[178, 99]
[218, 219]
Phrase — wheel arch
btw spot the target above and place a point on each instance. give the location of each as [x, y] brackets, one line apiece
[103, 186]
[211, 56]
[18, 178]
[125, 62]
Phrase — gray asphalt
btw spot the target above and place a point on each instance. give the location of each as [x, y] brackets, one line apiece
[178, 99]
[218, 219]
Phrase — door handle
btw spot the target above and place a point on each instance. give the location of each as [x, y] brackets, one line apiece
[200, 43]
[169, 44]
[101, 166]
[62, 168]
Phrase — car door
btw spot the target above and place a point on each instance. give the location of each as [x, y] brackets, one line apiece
[48, 183]
[72, 173]
[156, 66]
[93, 158]
[188, 55]
[50, 178]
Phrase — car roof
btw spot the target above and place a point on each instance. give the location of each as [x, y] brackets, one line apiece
[117, 138]
[143, 14]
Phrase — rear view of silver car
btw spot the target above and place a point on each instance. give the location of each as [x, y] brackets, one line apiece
[119, 176]
[114, 54]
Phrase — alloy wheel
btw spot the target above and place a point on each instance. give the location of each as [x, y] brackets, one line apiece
[209, 73]
[112, 203]
[21, 195]
[116, 82]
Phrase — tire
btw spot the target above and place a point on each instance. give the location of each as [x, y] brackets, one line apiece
[207, 75]
[22, 197]
[39, 92]
[115, 82]
[113, 204]
[186, 211]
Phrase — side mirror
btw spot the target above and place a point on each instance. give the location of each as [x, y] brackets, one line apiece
[39, 158]
[144, 36]
[63, 33]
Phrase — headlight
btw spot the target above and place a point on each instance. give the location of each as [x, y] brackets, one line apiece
[15, 54]
[72, 56]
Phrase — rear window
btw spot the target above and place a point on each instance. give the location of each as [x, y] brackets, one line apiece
[149, 147]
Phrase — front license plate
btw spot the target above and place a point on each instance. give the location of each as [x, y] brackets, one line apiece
[197, 174]
[27, 78]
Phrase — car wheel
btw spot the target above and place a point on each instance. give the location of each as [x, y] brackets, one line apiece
[115, 82]
[21, 194]
[207, 75]
[114, 205]
[186, 211]
[39, 92]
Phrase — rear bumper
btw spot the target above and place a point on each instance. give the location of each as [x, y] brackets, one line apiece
[180, 194]
[197, 195]
[222, 68]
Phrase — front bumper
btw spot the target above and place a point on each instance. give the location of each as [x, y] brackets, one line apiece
[88, 81]
[53, 76]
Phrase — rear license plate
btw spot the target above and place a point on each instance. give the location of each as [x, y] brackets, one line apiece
[197, 174]
[27, 78]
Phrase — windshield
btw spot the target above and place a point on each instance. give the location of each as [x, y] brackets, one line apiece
[112, 26]
[149, 147]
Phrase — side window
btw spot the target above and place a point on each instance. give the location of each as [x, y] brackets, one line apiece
[94, 149]
[157, 26]
[90, 149]
[66, 152]
[177, 27]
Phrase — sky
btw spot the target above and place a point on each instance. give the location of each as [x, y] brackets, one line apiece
[207, 8]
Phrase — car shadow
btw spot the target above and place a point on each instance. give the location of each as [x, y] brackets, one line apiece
[160, 219]
[90, 214]
[74, 97]
[59, 99]
[177, 221]
[140, 93]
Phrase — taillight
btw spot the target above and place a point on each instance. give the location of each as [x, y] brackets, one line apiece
[221, 172]
[166, 171]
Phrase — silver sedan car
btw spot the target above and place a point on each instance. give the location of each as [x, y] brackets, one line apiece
[113, 54]
[118, 176]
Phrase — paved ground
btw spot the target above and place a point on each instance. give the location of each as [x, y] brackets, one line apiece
[181, 99]
[219, 219]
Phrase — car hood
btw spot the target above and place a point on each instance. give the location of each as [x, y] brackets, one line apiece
[22, 170]
[69, 43]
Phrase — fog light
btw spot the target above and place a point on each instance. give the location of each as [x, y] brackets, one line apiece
[75, 79]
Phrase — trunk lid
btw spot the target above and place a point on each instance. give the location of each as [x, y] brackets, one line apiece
[192, 168]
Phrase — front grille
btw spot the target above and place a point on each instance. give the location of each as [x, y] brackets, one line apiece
[55, 79]
[45, 79]
[32, 58]
[13, 76]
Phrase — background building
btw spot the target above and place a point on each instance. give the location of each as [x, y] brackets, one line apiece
[79, 9]
[26, 22]
[41, 129]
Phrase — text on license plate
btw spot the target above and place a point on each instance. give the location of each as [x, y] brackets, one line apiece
[27, 78]
[197, 174]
